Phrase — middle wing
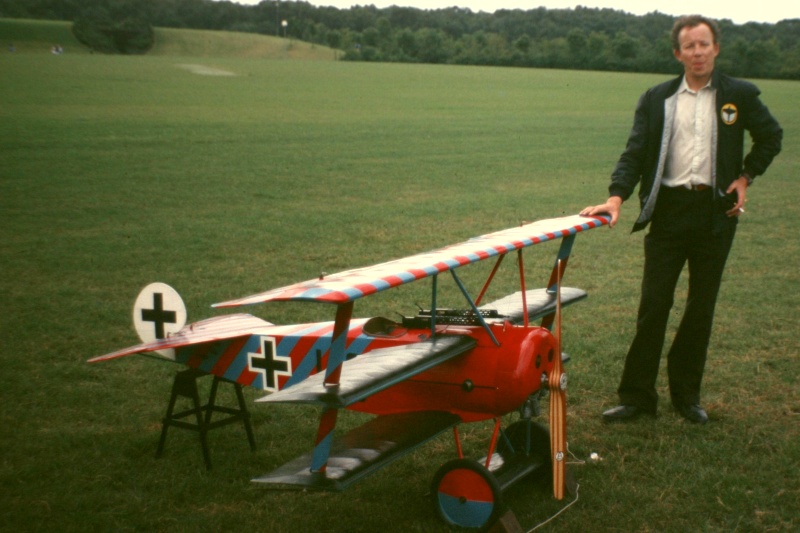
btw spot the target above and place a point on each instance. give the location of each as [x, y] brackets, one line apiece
[374, 371]
[353, 284]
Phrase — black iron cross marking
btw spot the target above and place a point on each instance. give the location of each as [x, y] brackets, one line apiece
[268, 364]
[158, 316]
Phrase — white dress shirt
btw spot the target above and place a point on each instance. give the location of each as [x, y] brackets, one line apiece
[689, 161]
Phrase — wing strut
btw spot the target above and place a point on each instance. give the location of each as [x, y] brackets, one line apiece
[489, 279]
[336, 356]
[435, 291]
[557, 274]
[564, 252]
[333, 372]
[474, 307]
[525, 319]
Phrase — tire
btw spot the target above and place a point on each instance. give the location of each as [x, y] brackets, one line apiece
[467, 495]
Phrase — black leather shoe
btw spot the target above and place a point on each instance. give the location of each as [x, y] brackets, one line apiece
[693, 413]
[622, 413]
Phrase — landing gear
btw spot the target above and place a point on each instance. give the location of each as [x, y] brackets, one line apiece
[528, 441]
[469, 494]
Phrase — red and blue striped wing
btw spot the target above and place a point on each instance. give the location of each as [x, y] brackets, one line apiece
[353, 284]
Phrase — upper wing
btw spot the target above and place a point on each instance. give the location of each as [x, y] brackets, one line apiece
[353, 284]
[212, 329]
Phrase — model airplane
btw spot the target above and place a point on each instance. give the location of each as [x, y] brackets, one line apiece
[420, 375]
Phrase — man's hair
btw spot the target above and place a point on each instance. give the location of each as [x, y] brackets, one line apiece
[692, 21]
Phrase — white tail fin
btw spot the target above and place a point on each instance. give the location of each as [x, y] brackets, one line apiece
[158, 313]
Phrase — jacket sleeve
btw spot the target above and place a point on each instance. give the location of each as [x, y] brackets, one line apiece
[628, 171]
[766, 134]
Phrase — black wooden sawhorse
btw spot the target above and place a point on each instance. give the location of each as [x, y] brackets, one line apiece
[185, 386]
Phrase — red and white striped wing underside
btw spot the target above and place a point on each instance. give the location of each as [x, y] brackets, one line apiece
[353, 284]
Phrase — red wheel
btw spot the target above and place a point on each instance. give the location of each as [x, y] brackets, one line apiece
[466, 494]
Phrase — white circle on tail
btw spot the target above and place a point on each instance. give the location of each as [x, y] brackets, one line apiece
[158, 312]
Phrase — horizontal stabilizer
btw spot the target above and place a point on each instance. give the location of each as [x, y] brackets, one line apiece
[540, 303]
[212, 329]
[373, 372]
[363, 450]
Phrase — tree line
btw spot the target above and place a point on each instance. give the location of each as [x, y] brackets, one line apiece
[580, 38]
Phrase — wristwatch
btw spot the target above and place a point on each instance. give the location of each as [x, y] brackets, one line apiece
[748, 177]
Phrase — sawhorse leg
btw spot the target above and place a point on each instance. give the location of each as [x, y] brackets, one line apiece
[185, 386]
[234, 415]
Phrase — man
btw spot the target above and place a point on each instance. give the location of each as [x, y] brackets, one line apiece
[685, 151]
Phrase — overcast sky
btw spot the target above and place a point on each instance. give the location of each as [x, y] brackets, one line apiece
[738, 11]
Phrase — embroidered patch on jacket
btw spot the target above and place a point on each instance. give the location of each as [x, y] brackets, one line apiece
[729, 114]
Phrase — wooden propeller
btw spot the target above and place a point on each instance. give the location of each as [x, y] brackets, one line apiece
[557, 383]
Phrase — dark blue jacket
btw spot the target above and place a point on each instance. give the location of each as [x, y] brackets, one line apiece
[738, 109]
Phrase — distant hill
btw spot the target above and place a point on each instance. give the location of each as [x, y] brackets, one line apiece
[32, 36]
[207, 43]
[38, 36]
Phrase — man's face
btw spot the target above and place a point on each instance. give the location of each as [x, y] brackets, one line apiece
[697, 52]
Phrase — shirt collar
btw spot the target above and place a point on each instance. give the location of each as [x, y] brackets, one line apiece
[684, 87]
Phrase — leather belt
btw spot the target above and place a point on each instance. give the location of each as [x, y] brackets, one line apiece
[698, 187]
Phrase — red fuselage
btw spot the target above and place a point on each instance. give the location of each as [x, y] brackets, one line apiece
[486, 382]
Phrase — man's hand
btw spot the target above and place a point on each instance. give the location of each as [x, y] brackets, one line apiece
[611, 207]
[740, 186]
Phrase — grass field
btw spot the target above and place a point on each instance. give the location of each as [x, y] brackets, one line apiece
[119, 171]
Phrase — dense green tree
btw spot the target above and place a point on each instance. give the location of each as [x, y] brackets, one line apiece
[334, 38]
[790, 66]
[598, 48]
[578, 46]
[523, 44]
[762, 58]
[384, 28]
[431, 46]
[625, 47]
[104, 32]
[580, 38]
[407, 44]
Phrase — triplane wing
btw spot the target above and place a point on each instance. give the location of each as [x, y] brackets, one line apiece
[353, 284]
[421, 375]
[374, 371]
[362, 451]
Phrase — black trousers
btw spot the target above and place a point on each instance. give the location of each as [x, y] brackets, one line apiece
[680, 232]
